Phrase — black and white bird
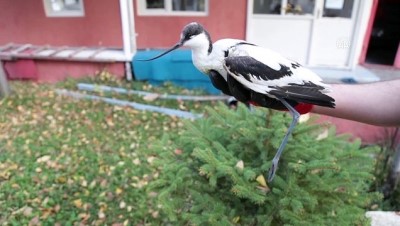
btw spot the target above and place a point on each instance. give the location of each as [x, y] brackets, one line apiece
[253, 74]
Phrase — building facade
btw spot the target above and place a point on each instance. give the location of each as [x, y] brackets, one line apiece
[316, 33]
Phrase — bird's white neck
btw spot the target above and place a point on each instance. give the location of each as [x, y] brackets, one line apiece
[201, 58]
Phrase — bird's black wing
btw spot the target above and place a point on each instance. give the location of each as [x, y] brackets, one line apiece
[305, 93]
[251, 69]
[242, 94]
[219, 82]
[261, 78]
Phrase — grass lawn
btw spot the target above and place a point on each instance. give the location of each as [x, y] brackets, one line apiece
[69, 162]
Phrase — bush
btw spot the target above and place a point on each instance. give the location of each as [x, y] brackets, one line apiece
[212, 173]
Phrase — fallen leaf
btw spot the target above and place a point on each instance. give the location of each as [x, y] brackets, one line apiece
[151, 97]
[101, 215]
[261, 180]
[178, 151]
[27, 211]
[304, 118]
[122, 205]
[155, 214]
[236, 219]
[129, 208]
[136, 161]
[264, 189]
[78, 203]
[57, 208]
[34, 221]
[150, 159]
[323, 135]
[44, 158]
[240, 164]
[118, 191]
[84, 216]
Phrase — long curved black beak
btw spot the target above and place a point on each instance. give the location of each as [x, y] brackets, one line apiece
[179, 44]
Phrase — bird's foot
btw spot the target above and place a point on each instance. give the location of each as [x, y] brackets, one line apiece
[273, 169]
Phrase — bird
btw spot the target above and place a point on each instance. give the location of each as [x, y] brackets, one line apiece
[256, 75]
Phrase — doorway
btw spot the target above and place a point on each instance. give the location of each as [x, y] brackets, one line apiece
[385, 34]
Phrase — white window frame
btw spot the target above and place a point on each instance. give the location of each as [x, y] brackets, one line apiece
[63, 13]
[167, 11]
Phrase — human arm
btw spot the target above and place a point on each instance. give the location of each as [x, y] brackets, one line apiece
[373, 103]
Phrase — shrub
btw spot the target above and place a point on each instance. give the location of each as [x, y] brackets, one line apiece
[212, 173]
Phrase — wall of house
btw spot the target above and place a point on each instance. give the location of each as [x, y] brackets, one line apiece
[226, 19]
[24, 21]
[368, 134]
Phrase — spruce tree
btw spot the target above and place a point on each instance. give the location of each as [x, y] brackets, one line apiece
[213, 172]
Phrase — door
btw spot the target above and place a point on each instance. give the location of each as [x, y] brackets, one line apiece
[281, 26]
[311, 32]
[333, 33]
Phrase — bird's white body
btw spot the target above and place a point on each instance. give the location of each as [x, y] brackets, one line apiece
[205, 61]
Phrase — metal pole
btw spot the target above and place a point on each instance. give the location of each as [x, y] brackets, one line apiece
[4, 87]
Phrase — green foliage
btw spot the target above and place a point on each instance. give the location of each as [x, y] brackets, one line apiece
[77, 162]
[387, 181]
[212, 173]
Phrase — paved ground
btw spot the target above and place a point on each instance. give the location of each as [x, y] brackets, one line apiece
[381, 218]
[361, 74]
[385, 73]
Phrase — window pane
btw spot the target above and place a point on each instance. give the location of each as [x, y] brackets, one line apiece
[188, 5]
[155, 4]
[267, 6]
[65, 5]
[293, 7]
[338, 8]
[300, 7]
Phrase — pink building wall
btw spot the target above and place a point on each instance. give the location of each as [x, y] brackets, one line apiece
[368, 134]
[25, 22]
[226, 19]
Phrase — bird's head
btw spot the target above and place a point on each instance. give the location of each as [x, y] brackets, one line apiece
[193, 36]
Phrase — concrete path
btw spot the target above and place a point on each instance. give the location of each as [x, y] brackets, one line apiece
[383, 218]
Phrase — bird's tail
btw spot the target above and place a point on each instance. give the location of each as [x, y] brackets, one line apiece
[305, 93]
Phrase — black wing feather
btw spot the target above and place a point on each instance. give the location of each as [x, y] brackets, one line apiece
[247, 66]
[306, 93]
[219, 82]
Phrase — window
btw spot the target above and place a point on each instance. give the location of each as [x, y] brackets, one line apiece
[284, 7]
[172, 7]
[64, 8]
[338, 8]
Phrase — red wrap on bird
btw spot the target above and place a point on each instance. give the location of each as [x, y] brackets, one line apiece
[302, 108]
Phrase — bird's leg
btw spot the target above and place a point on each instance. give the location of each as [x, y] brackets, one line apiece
[295, 119]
